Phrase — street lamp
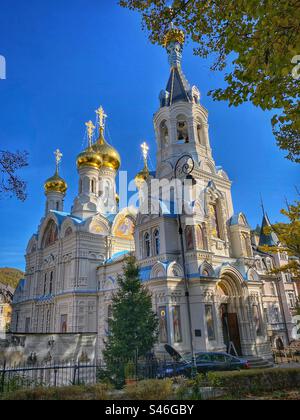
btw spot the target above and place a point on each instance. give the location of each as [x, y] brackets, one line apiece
[184, 168]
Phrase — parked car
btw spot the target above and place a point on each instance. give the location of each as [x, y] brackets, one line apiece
[205, 362]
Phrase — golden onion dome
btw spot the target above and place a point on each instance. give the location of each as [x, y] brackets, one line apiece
[56, 184]
[174, 35]
[89, 158]
[109, 155]
[142, 176]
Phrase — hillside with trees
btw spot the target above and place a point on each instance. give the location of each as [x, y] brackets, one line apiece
[10, 276]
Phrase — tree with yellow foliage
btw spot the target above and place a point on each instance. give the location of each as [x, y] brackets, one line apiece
[288, 235]
[257, 41]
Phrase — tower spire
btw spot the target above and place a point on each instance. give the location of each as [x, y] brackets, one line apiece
[178, 88]
[262, 205]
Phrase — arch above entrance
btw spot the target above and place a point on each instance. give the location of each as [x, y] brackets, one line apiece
[231, 283]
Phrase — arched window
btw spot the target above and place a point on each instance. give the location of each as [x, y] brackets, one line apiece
[93, 186]
[214, 220]
[69, 232]
[269, 264]
[164, 135]
[199, 134]
[80, 186]
[147, 245]
[182, 129]
[57, 206]
[45, 284]
[51, 283]
[50, 235]
[156, 237]
[258, 264]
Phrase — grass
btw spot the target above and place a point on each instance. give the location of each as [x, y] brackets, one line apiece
[83, 393]
[270, 384]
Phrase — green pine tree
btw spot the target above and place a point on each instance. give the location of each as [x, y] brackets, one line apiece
[133, 328]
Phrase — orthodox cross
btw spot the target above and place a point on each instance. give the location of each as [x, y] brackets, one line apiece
[101, 117]
[58, 156]
[145, 151]
[90, 131]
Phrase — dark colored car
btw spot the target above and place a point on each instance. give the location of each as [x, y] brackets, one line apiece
[205, 362]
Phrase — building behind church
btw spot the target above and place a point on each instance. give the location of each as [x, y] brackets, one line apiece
[74, 258]
[6, 298]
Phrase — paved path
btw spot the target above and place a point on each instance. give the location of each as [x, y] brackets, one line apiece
[287, 365]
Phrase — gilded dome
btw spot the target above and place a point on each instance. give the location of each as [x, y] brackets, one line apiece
[56, 184]
[109, 155]
[89, 158]
[142, 176]
[174, 35]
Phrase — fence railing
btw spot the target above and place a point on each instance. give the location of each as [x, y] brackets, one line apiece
[54, 374]
[50, 375]
[65, 374]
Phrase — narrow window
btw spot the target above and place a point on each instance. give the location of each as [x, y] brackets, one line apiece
[156, 242]
[147, 245]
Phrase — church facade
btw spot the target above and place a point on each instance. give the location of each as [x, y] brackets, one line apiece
[209, 281]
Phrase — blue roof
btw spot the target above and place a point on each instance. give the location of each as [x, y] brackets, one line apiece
[118, 256]
[235, 220]
[62, 216]
[268, 239]
[111, 217]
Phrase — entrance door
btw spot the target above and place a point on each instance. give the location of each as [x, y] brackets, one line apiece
[234, 332]
[231, 330]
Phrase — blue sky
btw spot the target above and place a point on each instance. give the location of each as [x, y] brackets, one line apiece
[64, 59]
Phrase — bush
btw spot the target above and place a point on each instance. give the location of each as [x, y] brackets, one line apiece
[238, 384]
[97, 392]
[153, 389]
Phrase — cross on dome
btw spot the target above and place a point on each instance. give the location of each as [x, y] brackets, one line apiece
[90, 131]
[101, 117]
[145, 151]
[58, 157]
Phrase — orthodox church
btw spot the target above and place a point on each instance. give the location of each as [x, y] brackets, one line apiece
[209, 281]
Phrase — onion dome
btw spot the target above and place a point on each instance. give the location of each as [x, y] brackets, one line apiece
[109, 155]
[56, 183]
[174, 35]
[141, 177]
[144, 174]
[89, 158]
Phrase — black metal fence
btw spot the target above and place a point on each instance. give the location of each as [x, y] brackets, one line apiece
[50, 375]
[54, 374]
[67, 374]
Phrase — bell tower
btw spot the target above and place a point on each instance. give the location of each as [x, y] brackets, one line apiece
[181, 124]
